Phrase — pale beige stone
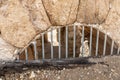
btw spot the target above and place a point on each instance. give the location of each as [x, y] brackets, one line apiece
[61, 12]
[37, 14]
[112, 24]
[22, 20]
[7, 52]
[15, 25]
[93, 11]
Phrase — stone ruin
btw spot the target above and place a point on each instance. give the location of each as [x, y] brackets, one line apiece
[22, 20]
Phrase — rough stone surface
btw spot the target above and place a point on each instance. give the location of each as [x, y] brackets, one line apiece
[105, 68]
[7, 52]
[22, 23]
[112, 24]
[37, 14]
[92, 11]
[22, 20]
[15, 25]
[61, 12]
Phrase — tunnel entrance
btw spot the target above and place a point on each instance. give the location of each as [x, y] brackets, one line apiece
[69, 43]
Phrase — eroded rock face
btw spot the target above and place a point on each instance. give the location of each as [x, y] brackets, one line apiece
[15, 25]
[20, 22]
[61, 12]
[37, 14]
[7, 52]
[92, 11]
[112, 24]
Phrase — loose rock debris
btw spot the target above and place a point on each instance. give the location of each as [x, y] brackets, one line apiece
[105, 68]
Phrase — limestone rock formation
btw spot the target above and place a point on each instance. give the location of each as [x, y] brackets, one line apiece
[7, 52]
[112, 24]
[37, 14]
[15, 25]
[61, 12]
[92, 11]
[18, 24]
[22, 20]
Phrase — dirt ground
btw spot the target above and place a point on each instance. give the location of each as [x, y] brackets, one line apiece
[105, 68]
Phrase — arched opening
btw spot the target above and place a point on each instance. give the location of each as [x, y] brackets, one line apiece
[72, 41]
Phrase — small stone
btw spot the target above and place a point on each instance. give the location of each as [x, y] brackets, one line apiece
[38, 71]
[58, 77]
[100, 72]
[63, 68]
[32, 75]
[25, 68]
[112, 70]
[88, 73]
[21, 76]
[3, 62]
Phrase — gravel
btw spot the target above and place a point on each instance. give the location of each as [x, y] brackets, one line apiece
[105, 68]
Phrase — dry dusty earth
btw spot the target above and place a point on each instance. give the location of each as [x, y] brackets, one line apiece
[105, 68]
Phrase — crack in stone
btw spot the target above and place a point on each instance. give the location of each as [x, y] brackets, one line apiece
[69, 14]
[46, 12]
[77, 10]
[110, 7]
